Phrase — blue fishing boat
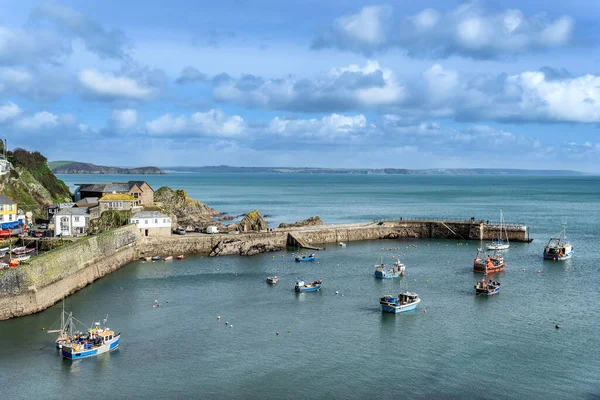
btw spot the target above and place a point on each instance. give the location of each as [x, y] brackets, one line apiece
[382, 272]
[313, 286]
[306, 258]
[487, 288]
[406, 301]
[97, 340]
[558, 248]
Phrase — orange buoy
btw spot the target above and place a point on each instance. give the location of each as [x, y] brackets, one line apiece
[424, 311]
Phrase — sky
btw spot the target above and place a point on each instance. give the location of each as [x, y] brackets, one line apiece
[342, 84]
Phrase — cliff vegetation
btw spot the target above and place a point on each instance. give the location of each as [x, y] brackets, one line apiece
[31, 183]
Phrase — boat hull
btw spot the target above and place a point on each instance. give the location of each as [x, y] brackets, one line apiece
[386, 275]
[487, 292]
[300, 259]
[399, 308]
[555, 257]
[68, 353]
[309, 289]
[497, 246]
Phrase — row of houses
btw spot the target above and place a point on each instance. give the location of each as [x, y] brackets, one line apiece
[91, 200]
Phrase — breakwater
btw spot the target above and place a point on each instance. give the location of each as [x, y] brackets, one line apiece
[45, 279]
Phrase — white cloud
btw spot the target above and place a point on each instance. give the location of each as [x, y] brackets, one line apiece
[9, 111]
[106, 85]
[328, 128]
[124, 119]
[18, 46]
[211, 123]
[347, 88]
[469, 31]
[40, 120]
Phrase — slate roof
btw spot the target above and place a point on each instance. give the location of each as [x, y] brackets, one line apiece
[73, 211]
[6, 200]
[119, 187]
[149, 214]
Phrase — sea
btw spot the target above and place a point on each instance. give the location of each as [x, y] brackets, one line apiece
[271, 343]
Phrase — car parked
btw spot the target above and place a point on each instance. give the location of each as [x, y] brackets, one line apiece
[199, 230]
[44, 226]
[180, 231]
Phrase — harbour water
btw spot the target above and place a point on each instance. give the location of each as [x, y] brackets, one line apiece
[340, 345]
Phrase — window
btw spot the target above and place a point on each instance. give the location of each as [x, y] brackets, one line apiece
[1, 207]
[76, 219]
[10, 207]
[156, 221]
[136, 195]
[10, 217]
[164, 220]
[146, 221]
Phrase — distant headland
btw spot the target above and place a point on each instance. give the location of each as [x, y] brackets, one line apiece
[74, 167]
[373, 171]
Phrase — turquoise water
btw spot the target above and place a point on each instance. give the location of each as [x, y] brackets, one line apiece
[341, 345]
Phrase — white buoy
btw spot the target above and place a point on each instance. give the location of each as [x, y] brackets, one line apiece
[336, 292]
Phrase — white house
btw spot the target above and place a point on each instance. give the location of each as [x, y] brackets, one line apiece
[152, 223]
[71, 221]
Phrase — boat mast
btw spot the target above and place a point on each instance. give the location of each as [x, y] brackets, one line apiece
[500, 225]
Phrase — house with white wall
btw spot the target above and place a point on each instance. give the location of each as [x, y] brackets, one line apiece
[71, 221]
[152, 223]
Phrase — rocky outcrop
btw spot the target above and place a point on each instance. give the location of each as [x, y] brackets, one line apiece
[312, 221]
[253, 222]
[243, 247]
[184, 210]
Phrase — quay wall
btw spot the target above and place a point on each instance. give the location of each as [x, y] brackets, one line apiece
[43, 280]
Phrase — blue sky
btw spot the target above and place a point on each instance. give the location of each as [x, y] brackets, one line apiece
[428, 84]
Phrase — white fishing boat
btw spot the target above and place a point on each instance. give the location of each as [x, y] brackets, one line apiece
[559, 248]
[499, 244]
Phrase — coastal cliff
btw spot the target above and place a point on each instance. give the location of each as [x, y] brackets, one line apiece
[31, 183]
[74, 167]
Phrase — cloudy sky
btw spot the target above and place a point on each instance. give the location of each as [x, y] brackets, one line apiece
[335, 83]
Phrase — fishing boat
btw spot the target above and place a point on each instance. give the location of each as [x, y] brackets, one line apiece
[156, 258]
[488, 287]
[488, 263]
[313, 286]
[305, 257]
[499, 244]
[96, 341]
[406, 301]
[180, 257]
[342, 244]
[272, 280]
[558, 247]
[168, 258]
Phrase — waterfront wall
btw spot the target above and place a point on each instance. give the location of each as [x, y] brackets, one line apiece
[49, 277]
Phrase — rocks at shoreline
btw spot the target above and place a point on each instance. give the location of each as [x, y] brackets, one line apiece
[253, 221]
[184, 210]
[312, 221]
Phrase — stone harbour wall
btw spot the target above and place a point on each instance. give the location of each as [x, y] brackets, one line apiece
[49, 277]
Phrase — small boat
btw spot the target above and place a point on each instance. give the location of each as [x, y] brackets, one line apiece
[382, 272]
[156, 258]
[17, 249]
[22, 257]
[272, 280]
[168, 258]
[499, 244]
[406, 301]
[558, 248]
[180, 257]
[96, 341]
[342, 244]
[488, 264]
[148, 258]
[4, 265]
[313, 286]
[488, 287]
[306, 258]
[23, 251]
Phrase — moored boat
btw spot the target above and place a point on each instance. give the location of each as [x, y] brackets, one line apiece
[488, 264]
[499, 244]
[406, 301]
[305, 257]
[558, 248]
[272, 280]
[17, 249]
[168, 258]
[313, 286]
[23, 251]
[180, 257]
[96, 341]
[342, 244]
[156, 258]
[488, 287]
[22, 257]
